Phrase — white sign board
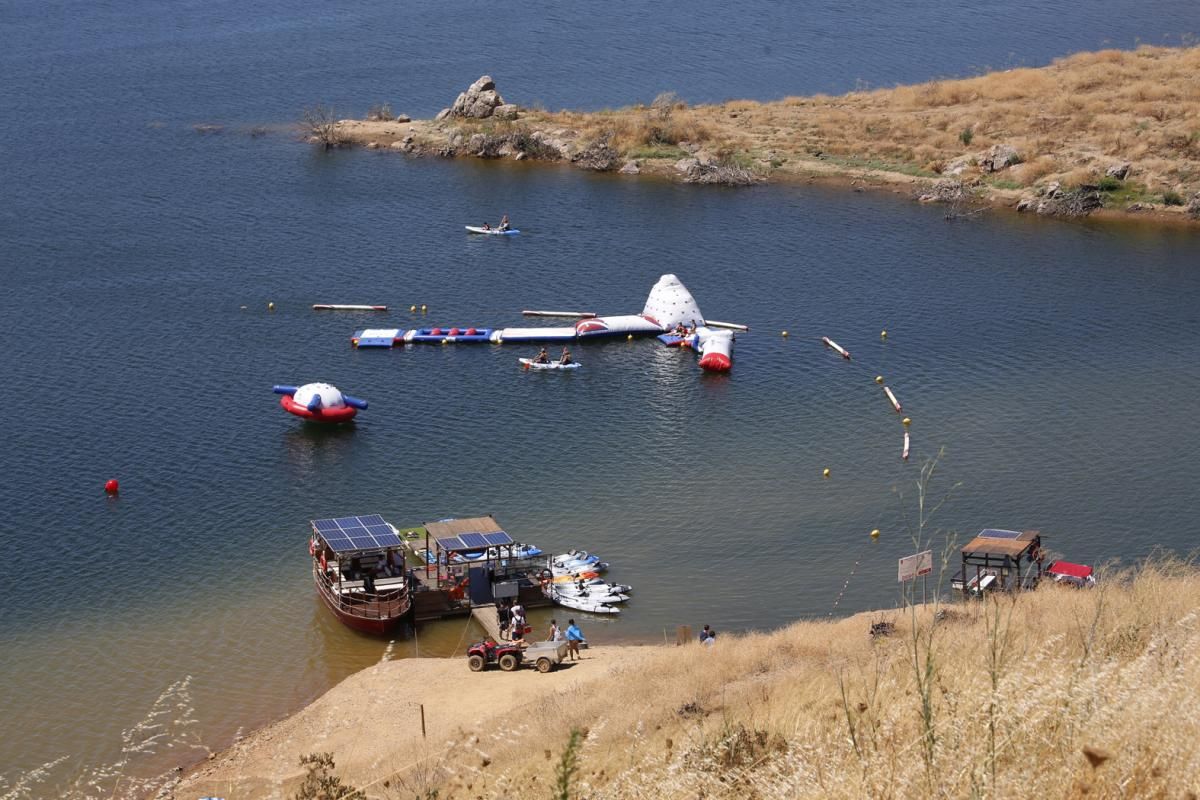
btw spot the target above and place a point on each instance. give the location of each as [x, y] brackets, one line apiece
[916, 566]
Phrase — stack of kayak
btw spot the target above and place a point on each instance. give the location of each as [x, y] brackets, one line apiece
[518, 551]
[574, 580]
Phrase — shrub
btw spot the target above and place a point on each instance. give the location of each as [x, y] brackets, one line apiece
[1172, 198]
[381, 113]
[1111, 184]
[966, 135]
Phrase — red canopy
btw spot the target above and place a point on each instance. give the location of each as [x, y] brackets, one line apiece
[1067, 568]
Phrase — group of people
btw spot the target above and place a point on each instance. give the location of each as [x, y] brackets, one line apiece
[513, 625]
[388, 565]
[572, 636]
[543, 357]
[682, 330]
[503, 226]
[708, 636]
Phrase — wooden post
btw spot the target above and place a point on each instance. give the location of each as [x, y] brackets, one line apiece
[422, 720]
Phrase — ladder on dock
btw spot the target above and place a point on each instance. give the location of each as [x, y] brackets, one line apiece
[488, 618]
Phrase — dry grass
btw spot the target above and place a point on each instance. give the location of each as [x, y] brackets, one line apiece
[1084, 112]
[1058, 693]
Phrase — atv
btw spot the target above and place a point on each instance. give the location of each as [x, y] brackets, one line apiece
[507, 656]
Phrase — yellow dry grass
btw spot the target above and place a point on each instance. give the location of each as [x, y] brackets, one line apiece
[1054, 693]
[1078, 115]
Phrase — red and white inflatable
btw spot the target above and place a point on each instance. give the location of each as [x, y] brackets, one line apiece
[319, 402]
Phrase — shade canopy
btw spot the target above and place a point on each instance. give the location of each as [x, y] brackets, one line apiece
[467, 535]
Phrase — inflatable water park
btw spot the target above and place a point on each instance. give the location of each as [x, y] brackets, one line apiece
[670, 313]
[319, 402]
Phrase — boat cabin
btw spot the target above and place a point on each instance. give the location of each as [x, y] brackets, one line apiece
[1000, 560]
[359, 571]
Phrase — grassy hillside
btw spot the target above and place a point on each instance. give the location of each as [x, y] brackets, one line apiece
[1056, 693]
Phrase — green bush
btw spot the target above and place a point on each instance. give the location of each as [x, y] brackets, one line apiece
[1172, 198]
[1111, 184]
[966, 136]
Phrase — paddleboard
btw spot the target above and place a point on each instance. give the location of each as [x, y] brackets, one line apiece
[491, 231]
[528, 363]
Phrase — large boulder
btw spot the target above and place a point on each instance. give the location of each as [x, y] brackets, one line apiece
[1120, 170]
[505, 111]
[479, 101]
[998, 157]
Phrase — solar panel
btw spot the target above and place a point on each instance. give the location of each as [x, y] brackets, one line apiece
[473, 540]
[345, 534]
[450, 543]
[992, 533]
[497, 538]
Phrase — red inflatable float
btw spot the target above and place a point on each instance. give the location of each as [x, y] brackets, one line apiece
[319, 402]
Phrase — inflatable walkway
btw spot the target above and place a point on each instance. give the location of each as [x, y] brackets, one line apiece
[668, 306]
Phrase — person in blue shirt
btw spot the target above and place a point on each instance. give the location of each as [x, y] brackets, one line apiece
[574, 637]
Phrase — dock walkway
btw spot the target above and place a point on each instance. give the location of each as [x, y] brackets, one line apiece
[487, 617]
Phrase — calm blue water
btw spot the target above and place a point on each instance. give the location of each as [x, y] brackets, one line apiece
[1055, 363]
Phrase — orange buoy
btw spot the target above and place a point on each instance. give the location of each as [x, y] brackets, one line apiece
[112, 486]
[892, 399]
[843, 352]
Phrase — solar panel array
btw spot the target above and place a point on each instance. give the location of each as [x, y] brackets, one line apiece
[474, 541]
[347, 534]
[993, 533]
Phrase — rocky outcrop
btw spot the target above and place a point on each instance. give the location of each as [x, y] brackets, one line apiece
[1054, 201]
[479, 101]
[1193, 208]
[600, 156]
[630, 168]
[1120, 170]
[506, 111]
[998, 157]
[704, 168]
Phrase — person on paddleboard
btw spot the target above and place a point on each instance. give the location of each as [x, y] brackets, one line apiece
[542, 357]
[504, 223]
[565, 358]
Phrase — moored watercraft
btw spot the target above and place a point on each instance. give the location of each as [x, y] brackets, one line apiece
[359, 571]
[580, 603]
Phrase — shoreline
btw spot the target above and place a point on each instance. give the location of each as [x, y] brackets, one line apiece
[1121, 145]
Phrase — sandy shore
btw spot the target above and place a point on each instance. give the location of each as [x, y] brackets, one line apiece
[371, 722]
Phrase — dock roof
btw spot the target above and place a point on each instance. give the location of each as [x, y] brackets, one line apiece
[474, 533]
[992, 541]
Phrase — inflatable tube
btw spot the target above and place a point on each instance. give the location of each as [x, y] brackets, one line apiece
[715, 348]
[354, 402]
[843, 352]
[343, 307]
[892, 399]
[616, 326]
[343, 414]
[280, 389]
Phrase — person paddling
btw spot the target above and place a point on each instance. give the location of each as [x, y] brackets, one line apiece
[504, 223]
[565, 358]
[542, 357]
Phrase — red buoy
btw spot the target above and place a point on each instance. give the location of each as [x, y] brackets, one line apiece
[111, 486]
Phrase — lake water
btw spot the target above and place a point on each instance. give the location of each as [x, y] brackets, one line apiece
[1056, 363]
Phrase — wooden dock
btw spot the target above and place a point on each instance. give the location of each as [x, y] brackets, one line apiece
[487, 617]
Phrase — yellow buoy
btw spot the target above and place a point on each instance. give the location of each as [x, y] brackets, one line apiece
[906, 422]
[270, 306]
[629, 338]
[879, 379]
[783, 334]
[825, 473]
[883, 334]
[412, 308]
[875, 533]
[424, 308]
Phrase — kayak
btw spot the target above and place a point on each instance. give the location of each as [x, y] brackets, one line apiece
[576, 555]
[529, 363]
[491, 231]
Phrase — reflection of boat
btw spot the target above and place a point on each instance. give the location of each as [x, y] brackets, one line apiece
[580, 603]
[358, 568]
